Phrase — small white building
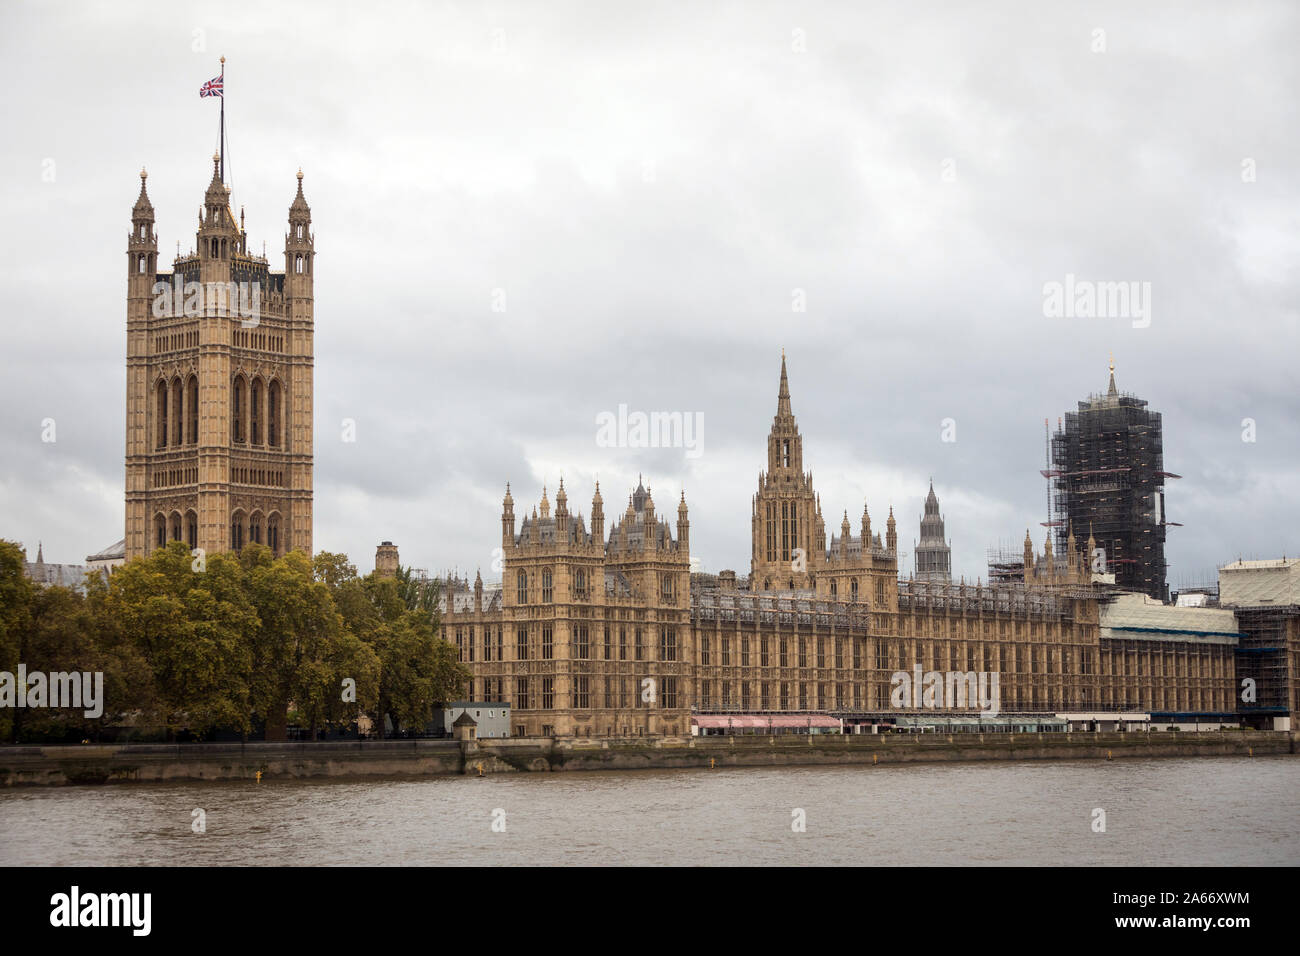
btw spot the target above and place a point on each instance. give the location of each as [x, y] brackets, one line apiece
[492, 717]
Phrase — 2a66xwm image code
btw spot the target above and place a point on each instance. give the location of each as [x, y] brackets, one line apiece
[1171, 899]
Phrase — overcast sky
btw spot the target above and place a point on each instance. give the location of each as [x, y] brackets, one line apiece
[651, 189]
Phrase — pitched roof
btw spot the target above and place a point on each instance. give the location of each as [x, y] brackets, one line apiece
[110, 553]
[1132, 614]
[1266, 583]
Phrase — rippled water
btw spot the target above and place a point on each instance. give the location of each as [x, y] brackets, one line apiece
[1229, 810]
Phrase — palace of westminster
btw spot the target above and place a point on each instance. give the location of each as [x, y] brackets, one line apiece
[600, 630]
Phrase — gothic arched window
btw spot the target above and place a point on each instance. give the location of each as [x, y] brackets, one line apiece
[237, 531]
[255, 529]
[178, 421]
[237, 410]
[255, 412]
[785, 531]
[273, 414]
[547, 593]
[853, 590]
[192, 397]
[162, 415]
[273, 533]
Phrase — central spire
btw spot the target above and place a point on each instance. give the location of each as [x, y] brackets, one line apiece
[783, 394]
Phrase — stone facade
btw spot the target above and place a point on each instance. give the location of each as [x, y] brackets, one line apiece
[585, 621]
[590, 635]
[219, 385]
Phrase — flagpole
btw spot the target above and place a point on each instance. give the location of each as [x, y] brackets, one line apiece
[223, 119]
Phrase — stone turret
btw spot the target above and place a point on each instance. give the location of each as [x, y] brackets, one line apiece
[933, 553]
[386, 560]
[597, 515]
[507, 519]
[683, 524]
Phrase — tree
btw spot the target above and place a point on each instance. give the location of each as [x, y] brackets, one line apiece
[192, 630]
[397, 620]
[333, 569]
[302, 651]
[249, 635]
[61, 639]
[16, 595]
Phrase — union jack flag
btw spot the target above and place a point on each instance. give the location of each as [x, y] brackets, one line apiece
[213, 87]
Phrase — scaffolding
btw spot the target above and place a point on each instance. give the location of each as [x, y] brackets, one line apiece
[1107, 477]
[1006, 566]
[1262, 654]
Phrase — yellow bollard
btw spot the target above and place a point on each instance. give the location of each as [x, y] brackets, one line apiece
[1107, 754]
[710, 763]
[875, 758]
[1250, 751]
[259, 776]
[480, 770]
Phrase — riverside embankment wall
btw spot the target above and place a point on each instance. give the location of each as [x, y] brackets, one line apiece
[155, 763]
[94, 764]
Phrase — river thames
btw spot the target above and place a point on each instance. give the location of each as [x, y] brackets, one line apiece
[1188, 811]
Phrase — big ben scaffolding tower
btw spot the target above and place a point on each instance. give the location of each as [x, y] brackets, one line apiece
[1108, 479]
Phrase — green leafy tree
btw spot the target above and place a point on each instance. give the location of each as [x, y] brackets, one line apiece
[247, 636]
[397, 619]
[16, 596]
[61, 639]
[333, 569]
[193, 631]
[302, 651]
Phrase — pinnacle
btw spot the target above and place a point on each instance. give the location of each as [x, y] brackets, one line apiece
[783, 393]
[142, 201]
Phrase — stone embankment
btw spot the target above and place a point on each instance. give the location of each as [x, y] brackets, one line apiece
[155, 763]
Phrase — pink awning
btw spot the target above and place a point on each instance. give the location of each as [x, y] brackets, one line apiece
[756, 722]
